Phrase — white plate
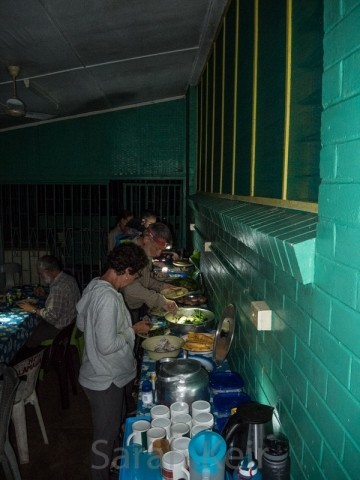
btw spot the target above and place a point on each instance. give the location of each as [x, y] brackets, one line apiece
[33, 301]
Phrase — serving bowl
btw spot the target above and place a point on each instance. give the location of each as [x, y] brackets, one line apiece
[178, 325]
[150, 344]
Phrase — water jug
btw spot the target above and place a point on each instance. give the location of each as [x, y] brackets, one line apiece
[275, 460]
[207, 456]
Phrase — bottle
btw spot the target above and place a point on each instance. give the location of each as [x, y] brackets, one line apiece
[9, 300]
[275, 459]
[153, 380]
[248, 468]
[146, 393]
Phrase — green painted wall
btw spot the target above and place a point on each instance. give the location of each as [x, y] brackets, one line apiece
[308, 366]
[144, 142]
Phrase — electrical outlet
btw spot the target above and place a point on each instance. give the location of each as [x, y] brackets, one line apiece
[261, 315]
[207, 246]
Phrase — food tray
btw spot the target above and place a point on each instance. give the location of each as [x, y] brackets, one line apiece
[136, 464]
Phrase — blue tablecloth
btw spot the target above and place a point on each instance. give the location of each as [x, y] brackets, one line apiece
[16, 327]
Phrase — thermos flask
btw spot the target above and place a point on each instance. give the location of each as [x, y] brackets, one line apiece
[275, 459]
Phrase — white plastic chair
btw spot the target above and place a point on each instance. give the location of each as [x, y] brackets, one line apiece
[25, 394]
[8, 385]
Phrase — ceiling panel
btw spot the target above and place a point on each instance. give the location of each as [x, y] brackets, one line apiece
[78, 57]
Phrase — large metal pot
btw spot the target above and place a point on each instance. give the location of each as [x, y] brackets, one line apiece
[182, 328]
[182, 380]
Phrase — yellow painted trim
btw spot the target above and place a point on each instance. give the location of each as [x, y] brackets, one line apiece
[222, 107]
[287, 99]
[235, 98]
[254, 104]
[206, 124]
[273, 202]
[201, 133]
[196, 137]
[213, 120]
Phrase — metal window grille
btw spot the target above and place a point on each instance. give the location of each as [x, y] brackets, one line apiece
[72, 221]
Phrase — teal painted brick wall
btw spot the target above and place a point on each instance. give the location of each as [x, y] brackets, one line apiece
[308, 365]
[143, 142]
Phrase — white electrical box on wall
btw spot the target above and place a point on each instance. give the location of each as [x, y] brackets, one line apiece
[261, 315]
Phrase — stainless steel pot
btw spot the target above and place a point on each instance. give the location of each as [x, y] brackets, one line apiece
[182, 328]
[182, 380]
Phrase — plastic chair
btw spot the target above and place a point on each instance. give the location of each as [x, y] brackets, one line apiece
[25, 394]
[8, 385]
[13, 273]
[77, 341]
[59, 356]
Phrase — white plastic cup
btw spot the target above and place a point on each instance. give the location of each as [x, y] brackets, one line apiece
[139, 433]
[200, 406]
[204, 419]
[181, 444]
[179, 430]
[163, 423]
[160, 411]
[183, 418]
[173, 465]
[178, 408]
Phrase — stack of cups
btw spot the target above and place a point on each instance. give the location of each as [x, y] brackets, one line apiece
[171, 432]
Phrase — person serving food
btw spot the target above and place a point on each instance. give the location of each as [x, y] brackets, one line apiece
[145, 291]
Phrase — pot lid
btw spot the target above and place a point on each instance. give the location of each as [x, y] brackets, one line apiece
[224, 334]
[180, 367]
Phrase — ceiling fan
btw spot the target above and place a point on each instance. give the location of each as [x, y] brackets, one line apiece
[14, 107]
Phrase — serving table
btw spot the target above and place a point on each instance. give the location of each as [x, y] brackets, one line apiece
[136, 465]
[148, 366]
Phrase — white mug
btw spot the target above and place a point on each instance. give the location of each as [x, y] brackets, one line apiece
[173, 466]
[183, 418]
[162, 422]
[205, 419]
[200, 406]
[177, 408]
[179, 430]
[181, 444]
[197, 429]
[139, 430]
[160, 411]
[154, 433]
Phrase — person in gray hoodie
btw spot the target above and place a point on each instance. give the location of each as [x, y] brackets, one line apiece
[108, 363]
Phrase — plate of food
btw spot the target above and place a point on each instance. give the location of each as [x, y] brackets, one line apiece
[158, 312]
[182, 263]
[31, 300]
[193, 299]
[158, 327]
[173, 293]
[199, 343]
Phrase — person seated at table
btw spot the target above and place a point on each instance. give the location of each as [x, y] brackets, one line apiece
[60, 304]
[144, 291]
[108, 362]
[121, 230]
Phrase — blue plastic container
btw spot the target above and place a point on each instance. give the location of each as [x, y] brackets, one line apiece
[225, 382]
